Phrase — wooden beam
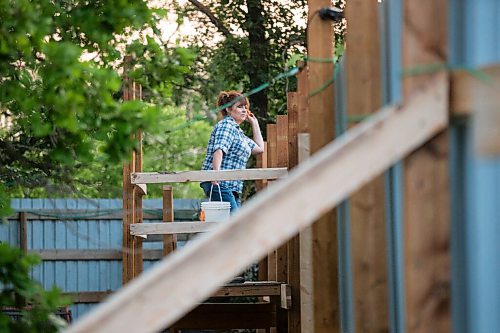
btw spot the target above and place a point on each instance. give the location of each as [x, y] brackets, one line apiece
[77, 215]
[172, 228]
[207, 175]
[303, 99]
[139, 193]
[23, 232]
[466, 84]
[367, 206]
[272, 162]
[169, 241]
[282, 161]
[282, 251]
[250, 289]
[486, 124]
[164, 293]
[87, 296]
[320, 44]
[63, 255]
[426, 199]
[261, 163]
[293, 274]
[306, 254]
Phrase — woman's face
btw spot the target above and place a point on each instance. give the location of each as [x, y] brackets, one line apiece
[238, 111]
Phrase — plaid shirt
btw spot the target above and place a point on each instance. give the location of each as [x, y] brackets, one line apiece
[236, 146]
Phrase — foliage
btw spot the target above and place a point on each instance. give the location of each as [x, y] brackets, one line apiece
[21, 292]
[179, 146]
[244, 43]
[241, 45]
[60, 100]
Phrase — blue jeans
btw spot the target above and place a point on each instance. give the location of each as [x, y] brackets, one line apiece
[227, 195]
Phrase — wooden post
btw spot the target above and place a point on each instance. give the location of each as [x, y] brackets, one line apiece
[260, 184]
[137, 241]
[282, 162]
[294, 243]
[282, 251]
[169, 241]
[321, 127]
[306, 254]
[303, 100]
[23, 234]
[132, 198]
[426, 182]
[272, 162]
[369, 263]
[261, 162]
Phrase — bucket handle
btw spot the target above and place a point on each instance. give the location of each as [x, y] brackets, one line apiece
[220, 193]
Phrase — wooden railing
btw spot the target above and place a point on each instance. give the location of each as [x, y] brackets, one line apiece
[162, 295]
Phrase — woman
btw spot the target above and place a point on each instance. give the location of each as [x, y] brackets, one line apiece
[229, 148]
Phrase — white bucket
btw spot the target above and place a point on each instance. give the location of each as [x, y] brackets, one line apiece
[216, 211]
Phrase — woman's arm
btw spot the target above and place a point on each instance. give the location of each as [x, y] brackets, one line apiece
[257, 135]
[216, 161]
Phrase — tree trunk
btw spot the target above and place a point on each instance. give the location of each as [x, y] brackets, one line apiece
[258, 63]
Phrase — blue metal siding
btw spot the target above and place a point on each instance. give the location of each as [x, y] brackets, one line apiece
[80, 234]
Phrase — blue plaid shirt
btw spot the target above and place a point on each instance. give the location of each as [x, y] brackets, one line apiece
[236, 147]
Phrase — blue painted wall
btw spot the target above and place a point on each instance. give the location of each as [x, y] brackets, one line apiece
[80, 234]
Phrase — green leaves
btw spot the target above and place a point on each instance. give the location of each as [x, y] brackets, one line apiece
[60, 86]
[20, 291]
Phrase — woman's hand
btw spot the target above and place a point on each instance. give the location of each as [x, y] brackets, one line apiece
[251, 118]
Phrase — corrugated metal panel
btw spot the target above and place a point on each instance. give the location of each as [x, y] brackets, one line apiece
[81, 234]
[475, 41]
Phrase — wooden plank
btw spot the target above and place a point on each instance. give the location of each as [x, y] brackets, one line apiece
[261, 163]
[486, 124]
[306, 254]
[282, 251]
[426, 200]
[172, 228]
[229, 316]
[466, 84]
[250, 289]
[163, 294]
[282, 161]
[79, 215]
[169, 241]
[293, 255]
[23, 234]
[320, 41]
[293, 128]
[88, 296]
[367, 206]
[303, 99]
[62, 255]
[272, 161]
[139, 192]
[207, 175]
[128, 219]
[259, 186]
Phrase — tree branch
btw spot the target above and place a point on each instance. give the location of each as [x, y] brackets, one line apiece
[205, 10]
